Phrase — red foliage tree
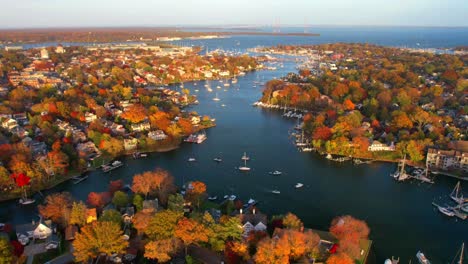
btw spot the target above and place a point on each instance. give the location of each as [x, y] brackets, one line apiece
[322, 133]
[95, 199]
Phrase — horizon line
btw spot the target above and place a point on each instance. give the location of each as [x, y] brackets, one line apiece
[227, 26]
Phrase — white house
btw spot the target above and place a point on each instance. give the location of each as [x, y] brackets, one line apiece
[143, 126]
[157, 135]
[9, 123]
[90, 117]
[377, 146]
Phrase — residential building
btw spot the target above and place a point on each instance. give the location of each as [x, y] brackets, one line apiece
[130, 144]
[44, 54]
[157, 135]
[377, 146]
[447, 159]
[253, 222]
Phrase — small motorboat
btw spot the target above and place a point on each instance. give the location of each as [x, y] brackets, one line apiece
[251, 201]
[232, 197]
[26, 201]
[275, 172]
[213, 198]
[275, 192]
[422, 259]
[218, 159]
[446, 211]
[226, 196]
[192, 160]
[298, 185]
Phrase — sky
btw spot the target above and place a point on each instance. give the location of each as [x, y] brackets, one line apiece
[117, 13]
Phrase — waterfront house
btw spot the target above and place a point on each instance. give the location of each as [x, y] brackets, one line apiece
[87, 149]
[253, 222]
[377, 146]
[195, 120]
[447, 159]
[157, 135]
[130, 144]
[142, 126]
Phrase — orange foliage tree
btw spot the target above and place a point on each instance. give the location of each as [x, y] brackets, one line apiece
[135, 113]
[196, 191]
[57, 208]
[149, 181]
[340, 259]
[161, 250]
[348, 105]
[271, 251]
[191, 232]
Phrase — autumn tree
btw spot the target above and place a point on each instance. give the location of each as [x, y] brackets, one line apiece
[322, 133]
[115, 186]
[98, 238]
[176, 202]
[162, 225]
[138, 202]
[57, 208]
[350, 232]
[141, 221]
[113, 146]
[95, 199]
[340, 259]
[5, 179]
[401, 120]
[271, 251]
[161, 250]
[149, 181]
[135, 113]
[191, 232]
[348, 105]
[291, 221]
[196, 191]
[78, 214]
[6, 251]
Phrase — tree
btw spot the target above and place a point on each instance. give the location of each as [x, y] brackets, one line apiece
[162, 250]
[196, 191]
[113, 146]
[6, 251]
[138, 202]
[420, 117]
[348, 105]
[135, 113]
[270, 251]
[115, 186]
[291, 221]
[149, 181]
[5, 179]
[141, 221]
[95, 199]
[162, 225]
[340, 259]
[322, 133]
[120, 199]
[57, 208]
[98, 238]
[401, 120]
[111, 215]
[191, 232]
[78, 214]
[176, 202]
[228, 229]
[349, 227]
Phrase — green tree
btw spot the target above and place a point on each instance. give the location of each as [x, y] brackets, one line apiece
[6, 251]
[120, 199]
[291, 221]
[176, 202]
[138, 202]
[111, 215]
[78, 214]
[98, 238]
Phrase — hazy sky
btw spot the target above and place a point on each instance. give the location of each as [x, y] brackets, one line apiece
[73, 13]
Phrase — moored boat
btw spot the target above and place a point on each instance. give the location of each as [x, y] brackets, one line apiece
[218, 159]
[275, 172]
[114, 165]
[298, 185]
[422, 258]
[276, 192]
[26, 201]
[213, 198]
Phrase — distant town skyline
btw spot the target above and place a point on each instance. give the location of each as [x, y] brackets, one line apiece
[119, 13]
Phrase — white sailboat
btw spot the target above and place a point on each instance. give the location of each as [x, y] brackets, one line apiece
[244, 168]
[400, 174]
[462, 254]
[216, 98]
[422, 258]
[245, 157]
[457, 195]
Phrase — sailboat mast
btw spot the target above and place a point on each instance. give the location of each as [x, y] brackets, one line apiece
[461, 254]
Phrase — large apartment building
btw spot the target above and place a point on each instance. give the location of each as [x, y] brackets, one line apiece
[453, 159]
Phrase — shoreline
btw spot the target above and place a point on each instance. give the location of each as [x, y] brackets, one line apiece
[66, 178]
